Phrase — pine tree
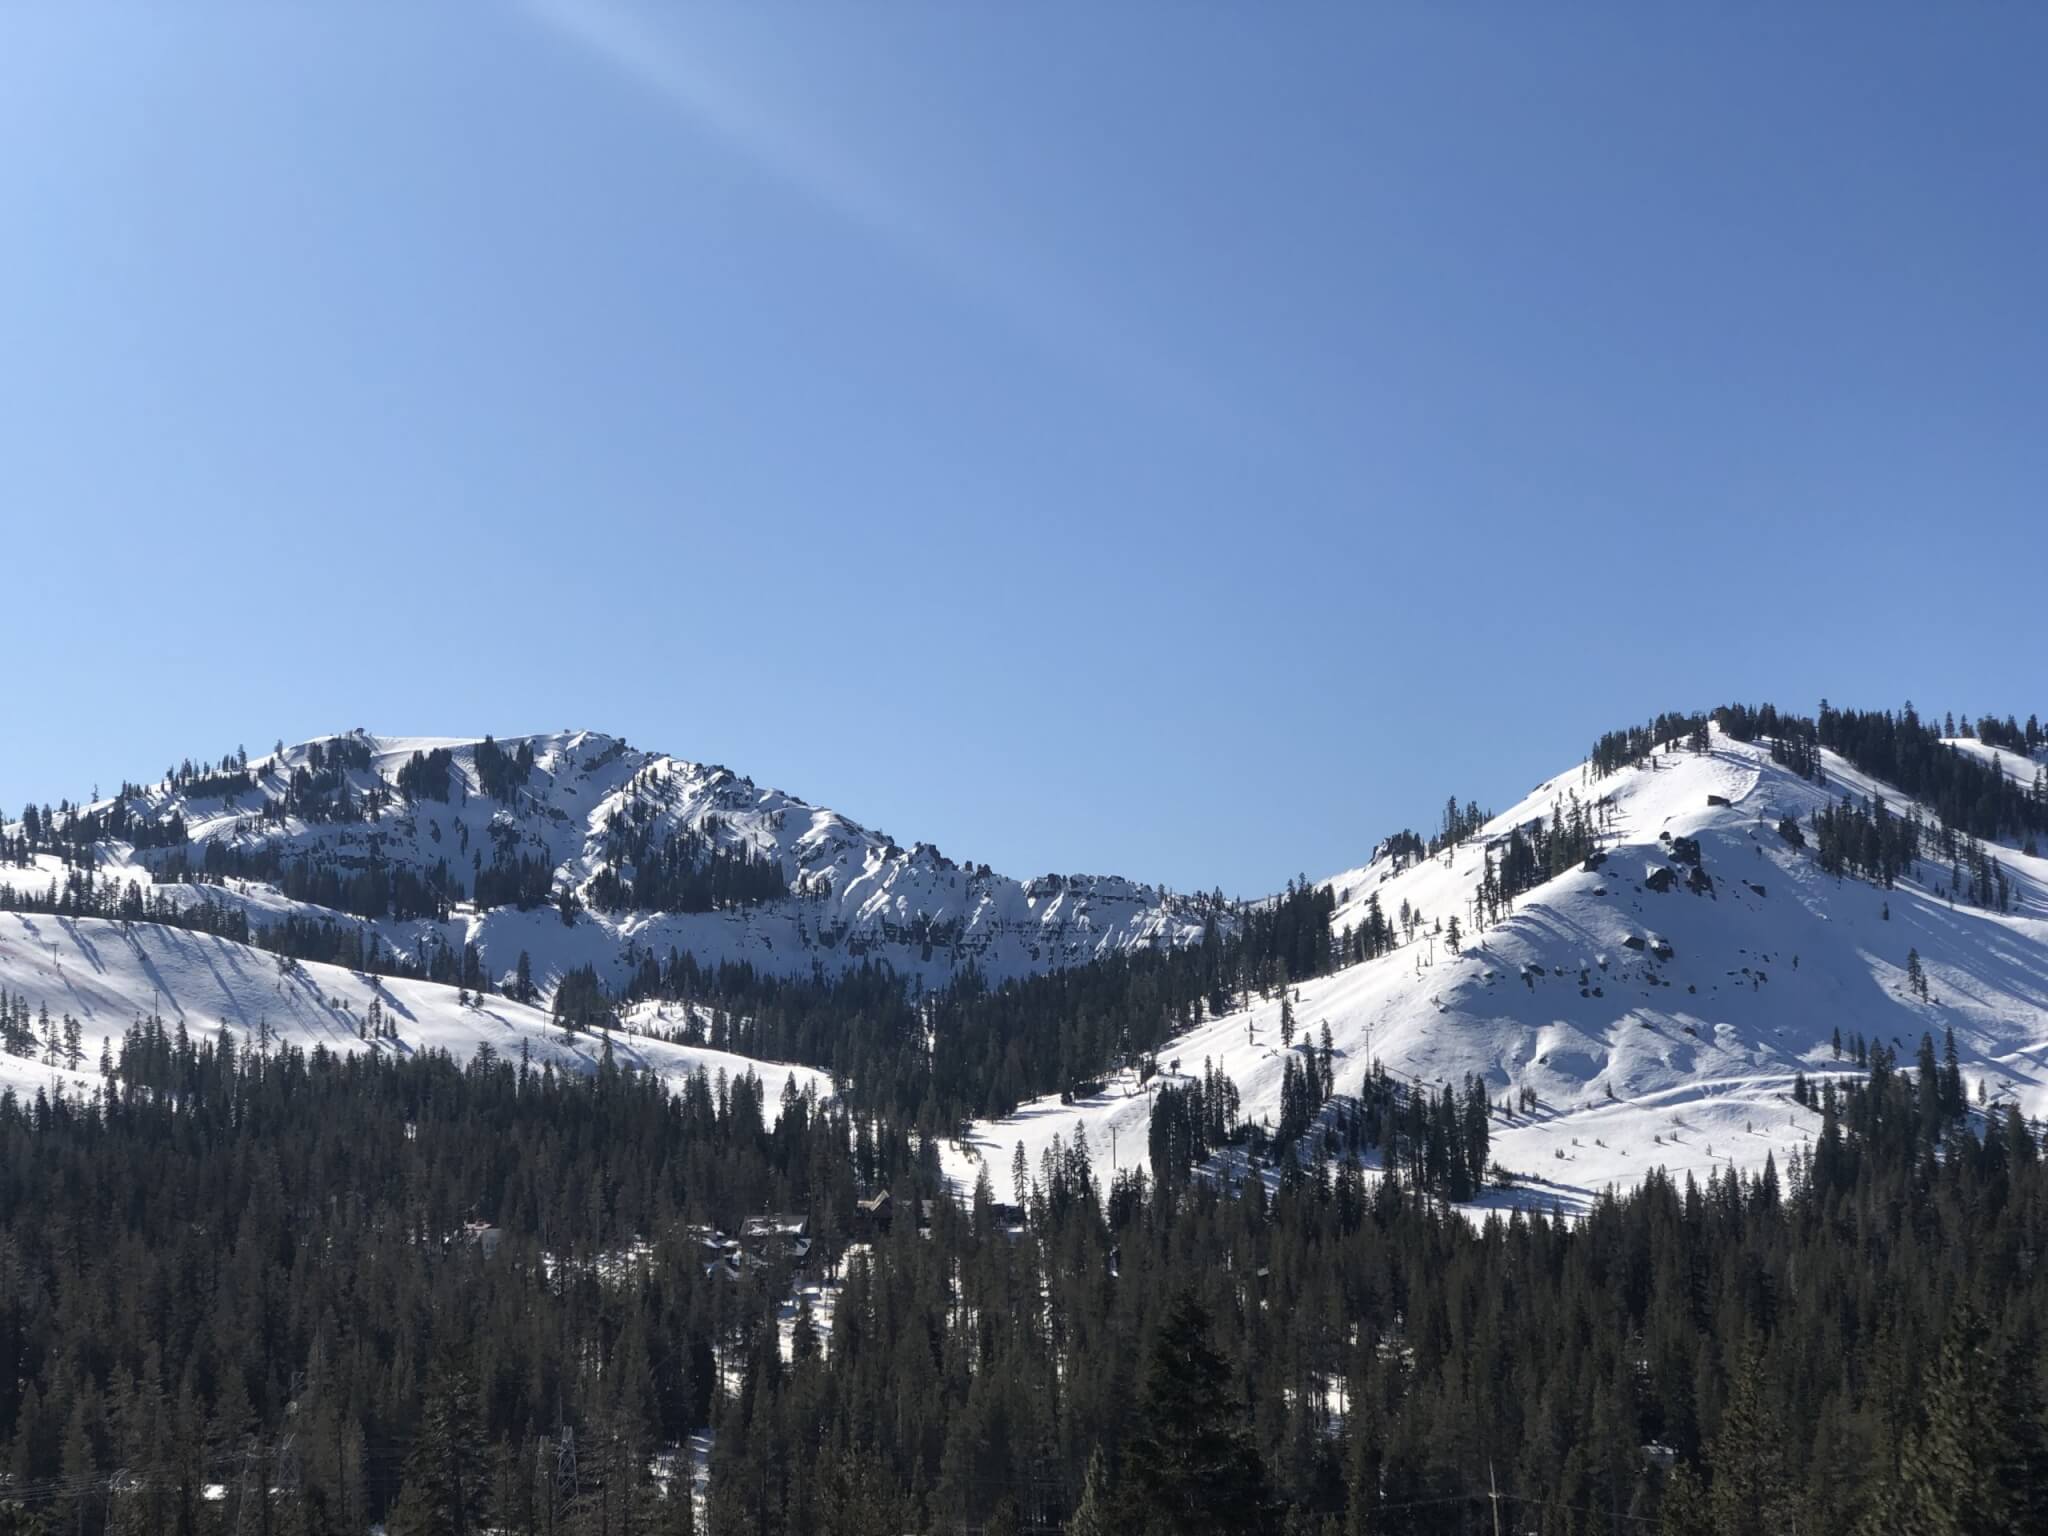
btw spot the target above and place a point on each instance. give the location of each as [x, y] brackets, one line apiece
[679, 1510]
[1092, 1515]
[79, 1470]
[1976, 1462]
[1191, 1468]
[1686, 1510]
[1752, 1491]
[446, 1471]
[854, 1500]
[2020, 1415]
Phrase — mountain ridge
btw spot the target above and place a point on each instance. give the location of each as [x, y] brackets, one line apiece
[1646, 952]
[652, 852]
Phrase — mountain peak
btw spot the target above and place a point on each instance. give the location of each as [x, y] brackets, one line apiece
[578, 850]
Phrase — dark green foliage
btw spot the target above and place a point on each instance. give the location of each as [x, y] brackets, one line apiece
[1752, 1489]
[446, 1474]
[1435, 1140]
[371, 887]
[1795, 740]
[1189, 1121]
[227, 1234]
[1619, 749]
[990, 1049]
[1977, 1459]
[1459, 823]
[1966, 794]
[500, 773]
[1867, 840]
[250, 1271]
[684, 872]
[1190, 1466]
[515, 880]
[85, 894]
[425, 776]
[580, 1002]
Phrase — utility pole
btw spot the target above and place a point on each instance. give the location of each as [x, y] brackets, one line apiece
[1493, 1496]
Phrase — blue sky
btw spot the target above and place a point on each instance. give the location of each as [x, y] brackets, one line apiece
[1184, 440]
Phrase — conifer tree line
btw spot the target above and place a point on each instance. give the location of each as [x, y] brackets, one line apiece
[372, 886]
[1534, 854]
[499, 774]
[1458, 824]
[2008, 735]
[1436, 1138]
[934, 1059]
[317, 790]
[1868, 841]
[56, 1040]
[240, 1295]
[1615, 750]
[687, 871]
[1967, 795]
[1189, 1121]
[1972, 801]
[427, 775]
[976, 1051]
[1794, 739]
[430, 775]
[294, 937]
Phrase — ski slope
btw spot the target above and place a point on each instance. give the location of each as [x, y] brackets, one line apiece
[1638, 1062]
[107, 975]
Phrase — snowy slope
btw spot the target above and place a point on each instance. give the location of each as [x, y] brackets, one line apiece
[1637, 1060]
[851, 894]
[1685, 1062]
[109, 974]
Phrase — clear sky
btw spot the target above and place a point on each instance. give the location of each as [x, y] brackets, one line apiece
[1186, 440]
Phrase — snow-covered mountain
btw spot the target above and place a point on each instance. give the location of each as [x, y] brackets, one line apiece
[1657, 998]
[658, 853]
[1660, 1017]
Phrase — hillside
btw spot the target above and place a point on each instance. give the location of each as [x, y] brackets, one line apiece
[107, 975]
[1648, 1000]
[1657, 1024]
[428, 847]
